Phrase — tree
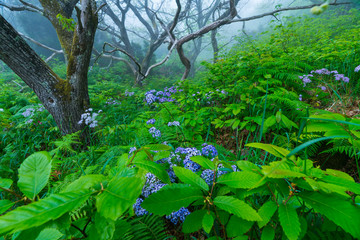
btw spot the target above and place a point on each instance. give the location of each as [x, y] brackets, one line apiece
[65, 99]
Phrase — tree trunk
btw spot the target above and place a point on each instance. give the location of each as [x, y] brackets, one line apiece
[65, 99]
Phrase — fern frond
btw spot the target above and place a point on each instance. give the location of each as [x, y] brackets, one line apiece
[148, 227]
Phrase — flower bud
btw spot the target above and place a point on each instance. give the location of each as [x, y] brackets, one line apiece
[324, 6]
[316, 10]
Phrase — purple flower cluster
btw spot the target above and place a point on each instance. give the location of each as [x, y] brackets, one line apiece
[357, 69]
[155, 132]
[151, 121]
[161, 96]
[179, 215]
[89, 118]
[110, 101]
[189, 152]
[28, 112]
[129, 94]
[138, 210]
[209, 150]
[337, 76]
[306, 79]
[174, 123]
[152, 185]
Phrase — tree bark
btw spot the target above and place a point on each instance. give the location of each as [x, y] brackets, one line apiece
[65, 99]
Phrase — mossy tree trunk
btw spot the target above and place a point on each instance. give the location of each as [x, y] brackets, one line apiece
[65, 99]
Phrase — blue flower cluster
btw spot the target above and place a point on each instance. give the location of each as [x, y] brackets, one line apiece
[189, 152]
[209, 150]
[161, 96]
[357, 69]
[138, 210]
[174, 123]
[151, 121]
[155, 133]
[152, 185]
[337, 76]
[110, 101]
[179, 215]
[129, 94]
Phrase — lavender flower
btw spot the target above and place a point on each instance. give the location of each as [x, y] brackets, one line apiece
[179, 215]
[132, 149]
[129, 94]
[151, 121]
[110, 101]
[28, 112]
[357, 69]
[29, 121]
[174, 123]
[89, 118]
[300, 97]
[155, 132]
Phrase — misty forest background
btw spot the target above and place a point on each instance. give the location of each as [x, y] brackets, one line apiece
[249, 131]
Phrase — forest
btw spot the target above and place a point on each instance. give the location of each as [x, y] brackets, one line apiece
[179, 119]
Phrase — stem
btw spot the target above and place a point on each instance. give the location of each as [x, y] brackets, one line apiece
[11, 192]
[174, 120]
[82, 231]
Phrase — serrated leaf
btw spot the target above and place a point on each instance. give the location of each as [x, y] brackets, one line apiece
[49, 234]
[193, 222]
[120, 194]
[244, 179]
[266, 211]
[237, 226]
[349, 185]
[204, 162]
[246, 165]
[5, 205]
[237, 207]
[208, 222]
[189, 177]
[161, 155]
[339, 174]
[289, 221]
[42, 211]
[338, 210]
[157, 147]
[271, 172]
[85, 182]
[171, 198]
[34, 173]
[5, 183]
[268, 233]
[155, 168]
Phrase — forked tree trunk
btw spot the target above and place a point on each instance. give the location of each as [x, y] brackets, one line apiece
[65, 99]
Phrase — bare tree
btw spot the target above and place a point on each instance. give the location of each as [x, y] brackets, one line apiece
[65, 99]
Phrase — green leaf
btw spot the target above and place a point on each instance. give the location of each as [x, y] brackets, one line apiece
[349, 185]
[49, 234]
[237, 207]
[42, 211]
[189, 177]
[5, 183]
[208, 222]
[119, 196]
[274, 150]
[244, 179]
[266, 212]
[85, 182]
[272, 172]
[289, 221]
[237, 226]
[171, 198]
[193, 222]
[161, 155]
[34, 173]
[156, 169]
[338, 210]
[102, 229]
[5, 205]
[157, 147]
[246, 165]
[268, 233]
[204, 162]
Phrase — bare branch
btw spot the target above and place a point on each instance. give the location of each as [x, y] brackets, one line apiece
[20, 8]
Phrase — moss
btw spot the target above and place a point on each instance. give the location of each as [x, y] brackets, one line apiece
[63, 88]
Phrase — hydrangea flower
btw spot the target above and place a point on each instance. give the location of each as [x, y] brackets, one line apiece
[110, 101]
[160, 96]
[209, 150]
[138, 210]
[129, 94]
[132, 149]
[300, 97]
[179, 215]
[152, 185]
[155, 133]
[88, 118]
[357, 69]
[28, 112]
[151, 121]
[189, 152]
[174, 123]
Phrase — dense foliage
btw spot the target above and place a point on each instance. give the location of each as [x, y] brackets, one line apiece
[264, 144]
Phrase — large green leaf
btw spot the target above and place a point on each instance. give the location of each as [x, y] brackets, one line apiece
[268, 233]
[193, 222]
[266, 211]
[49, 234]
[208, 222]
[119, 196]
[274, 150]
[157, 147]
[171, 198]
[42, 211]
[204, 162]
[338, 210]
[85, 182]
[5, 183]
[237, 207]
[5, 205]
[289, 221]
[244, 179]
[156, 169]
[189, 177]
[34, 173]
[237, 226]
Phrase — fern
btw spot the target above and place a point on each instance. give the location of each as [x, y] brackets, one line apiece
[148, 227]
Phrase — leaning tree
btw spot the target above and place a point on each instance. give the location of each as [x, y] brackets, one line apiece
[65, 99]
